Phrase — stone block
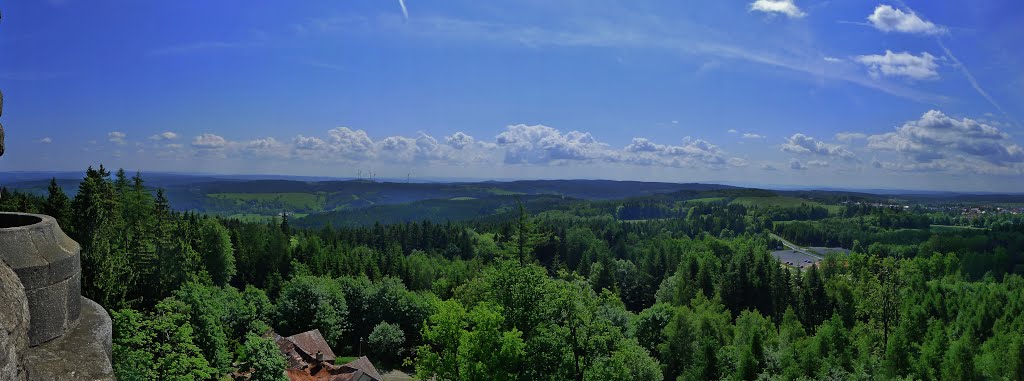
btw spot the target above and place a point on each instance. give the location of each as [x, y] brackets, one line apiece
[74, 297]
[13, 325]
[83, 353]
[48, 311]
[48, 265]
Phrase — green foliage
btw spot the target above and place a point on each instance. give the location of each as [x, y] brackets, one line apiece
[214, 245]
[570, 293]
[386, 342]
[158, 346]
[629, 362]
[469, 345]
[264, 359]
[308, 303]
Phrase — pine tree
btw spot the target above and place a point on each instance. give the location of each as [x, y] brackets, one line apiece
[58, 206]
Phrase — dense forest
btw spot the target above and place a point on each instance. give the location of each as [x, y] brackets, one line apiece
[645, 289]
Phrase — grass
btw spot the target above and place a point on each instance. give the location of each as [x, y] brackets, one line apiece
[949, 228]
[779, 201]
[303, 201]
[344, 360]
[502, 192]
[249, 217]
[705, 200]
[783, 202]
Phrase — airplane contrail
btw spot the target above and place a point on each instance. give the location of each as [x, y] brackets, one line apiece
[405, 12]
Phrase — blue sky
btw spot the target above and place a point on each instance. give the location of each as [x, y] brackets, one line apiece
[861, 94]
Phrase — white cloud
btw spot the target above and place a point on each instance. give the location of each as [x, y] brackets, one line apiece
[939, 142]
[692, 153]
[803, 144]
[850, 136]
[525, 144]
[46, 140]
[350, 144]
[266, 147]
[832, 59]
[889, 19]
[786, 7]
[801, 166]
[164, 136]
[459, 140]
[209, 142]
[732, 131]
[738, 162]
[405, 12]
[117, 137]
[768, 167]
[533, 145]
[752, 136]
[311, 143]
[901, 65]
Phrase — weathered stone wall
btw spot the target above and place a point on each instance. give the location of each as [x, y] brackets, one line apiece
[47, 263]
[52, 333]
[13, 325]
[1, 124]
[83, 353]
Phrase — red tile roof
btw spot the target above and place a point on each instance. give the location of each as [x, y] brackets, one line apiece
[312, 342]
[300, 351]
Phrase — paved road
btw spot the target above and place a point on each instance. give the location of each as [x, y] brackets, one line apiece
[794, 247]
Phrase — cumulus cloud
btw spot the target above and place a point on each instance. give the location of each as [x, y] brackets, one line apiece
[459, 140]
[850, 136]
[939, 142]
[536, 144]
[732, 131]
[752, 136]
[265, 147]
[209, 142]
[308, 143]
[692, 153]
[117, 137]
[349, 143]
[889, 19]
[803, 144]
[785, 7]
[901, 65]
[768, 167]
[801, 166]
[164, 136]
[519, 144]
[46, 140]
[832, 59]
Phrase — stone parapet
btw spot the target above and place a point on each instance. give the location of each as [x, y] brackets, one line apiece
[83, 353]
[13, 325]
[48, 264]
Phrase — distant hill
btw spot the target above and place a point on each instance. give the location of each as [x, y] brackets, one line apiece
[438, 211]
[315, 201]
[255, 196]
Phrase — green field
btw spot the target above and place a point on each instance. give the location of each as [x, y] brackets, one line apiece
[783, 202]
[290, 201]
[706, 200]
[952, 228]
[779, 201]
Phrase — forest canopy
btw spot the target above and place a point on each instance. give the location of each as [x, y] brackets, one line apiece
[645, 288]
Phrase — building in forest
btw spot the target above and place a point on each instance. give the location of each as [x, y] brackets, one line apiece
[310, 358]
